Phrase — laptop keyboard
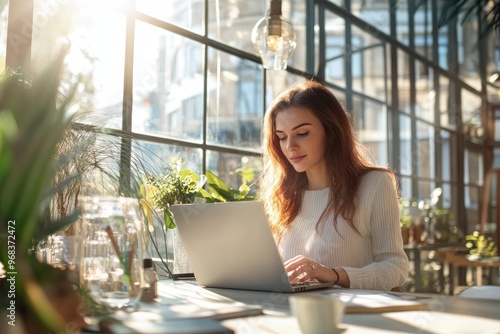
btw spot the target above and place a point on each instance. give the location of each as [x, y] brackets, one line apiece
[308, 283]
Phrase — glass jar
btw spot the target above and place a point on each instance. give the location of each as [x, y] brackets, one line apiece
[110, 250]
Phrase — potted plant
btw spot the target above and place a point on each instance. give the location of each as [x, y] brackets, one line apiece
[406, 223]
[405, 220]
[180, 186]
[480, 247]
[38, 298]
[441, 225]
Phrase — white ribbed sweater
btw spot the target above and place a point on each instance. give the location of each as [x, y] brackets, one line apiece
[376, 259]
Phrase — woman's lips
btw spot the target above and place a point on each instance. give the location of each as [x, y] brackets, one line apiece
[297, 159]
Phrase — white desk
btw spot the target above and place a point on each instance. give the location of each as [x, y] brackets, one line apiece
[268, 312]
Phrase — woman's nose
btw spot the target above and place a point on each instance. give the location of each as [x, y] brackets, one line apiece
[291, 144]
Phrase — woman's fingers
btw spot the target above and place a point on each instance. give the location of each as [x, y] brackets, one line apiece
[301, 268]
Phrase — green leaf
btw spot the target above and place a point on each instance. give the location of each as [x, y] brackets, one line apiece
[187, 173]
[168, 218]
[224, 195]
[204, 194]
[8, 130]
[244, 191]
[214, 181]
[58, 225]
[247, 174]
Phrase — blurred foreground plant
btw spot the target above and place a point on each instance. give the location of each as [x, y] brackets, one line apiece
[33, 119]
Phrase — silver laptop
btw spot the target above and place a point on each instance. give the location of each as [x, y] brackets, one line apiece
[230, 245]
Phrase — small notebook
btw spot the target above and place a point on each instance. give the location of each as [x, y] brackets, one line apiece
[181, 326]
[357, 301]
[230, 245]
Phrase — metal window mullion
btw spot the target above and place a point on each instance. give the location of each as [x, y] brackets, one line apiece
[414, 133]
[205, 93]
[438, 155]
[396, 130]
[126, 144]
[455, 99]
[310, 36]
[348, 60]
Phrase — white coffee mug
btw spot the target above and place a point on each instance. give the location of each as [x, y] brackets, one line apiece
[316, 313]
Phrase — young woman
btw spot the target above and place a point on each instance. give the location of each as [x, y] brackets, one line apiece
[335, 214]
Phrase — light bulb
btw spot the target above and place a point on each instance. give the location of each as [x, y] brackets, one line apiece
[274, 39]
[273, 42]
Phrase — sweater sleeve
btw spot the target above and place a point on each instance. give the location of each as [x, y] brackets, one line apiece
[381, 208]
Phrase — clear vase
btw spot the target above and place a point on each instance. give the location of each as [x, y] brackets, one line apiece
[110, 251]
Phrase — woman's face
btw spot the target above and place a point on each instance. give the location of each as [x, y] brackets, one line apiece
[302, 139]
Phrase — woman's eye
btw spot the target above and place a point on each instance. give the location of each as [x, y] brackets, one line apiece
[303, 134]
[281, 138]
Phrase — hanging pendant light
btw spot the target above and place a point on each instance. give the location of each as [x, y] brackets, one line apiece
[274, 39]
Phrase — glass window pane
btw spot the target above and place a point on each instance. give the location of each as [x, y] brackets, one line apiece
[370, 122]
[493, 192]
[187, 14]
[375, 13]
[496, 161]
[423, 28]
[425, 93]
[404, 81]
[335, 49]
[472, 207]
[340, 95]
[425, 189]
[471, 110]
[446, 197]
[226, 165]
[405, 156]
[235, 101]
[368, 64]
[168, 84]
[277, 83]
[443, 41]
[158, 158]
[231, 22]
[447, 155]
[405, 187]
[402, 23]
[296, 10]
[100, 166]
[96, 38]
[443, 48]
[425, 150]
[473, 173]
[468, 51]
[447, 107]
[497, 130]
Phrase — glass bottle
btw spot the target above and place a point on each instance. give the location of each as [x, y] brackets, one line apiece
[150, 288]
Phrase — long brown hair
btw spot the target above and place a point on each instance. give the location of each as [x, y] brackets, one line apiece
[281, 187]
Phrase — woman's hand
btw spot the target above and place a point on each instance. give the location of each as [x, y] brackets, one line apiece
[303, 269]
